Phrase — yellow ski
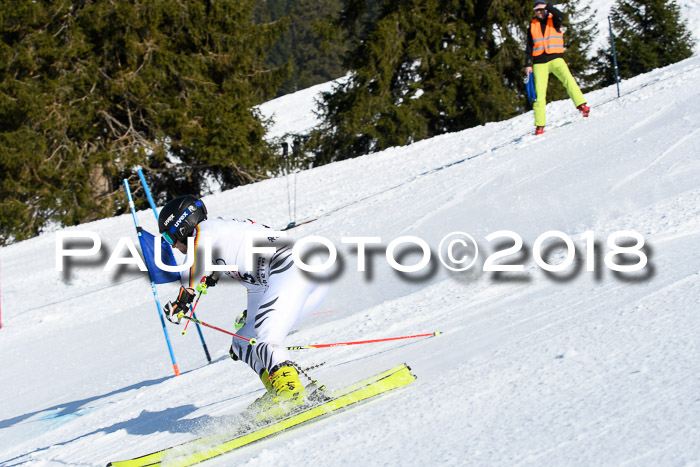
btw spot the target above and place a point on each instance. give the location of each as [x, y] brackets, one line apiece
[201, 449]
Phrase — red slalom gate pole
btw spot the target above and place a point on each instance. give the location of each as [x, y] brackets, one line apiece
[341, 344]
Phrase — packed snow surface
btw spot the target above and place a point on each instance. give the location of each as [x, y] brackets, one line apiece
[585, 366]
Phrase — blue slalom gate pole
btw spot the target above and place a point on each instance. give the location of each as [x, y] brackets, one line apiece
[148, 193]
[155, 213]
[153, 284]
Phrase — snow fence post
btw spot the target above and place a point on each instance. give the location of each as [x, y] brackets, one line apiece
[612, 42]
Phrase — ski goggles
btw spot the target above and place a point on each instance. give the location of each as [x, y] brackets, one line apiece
[167, 238]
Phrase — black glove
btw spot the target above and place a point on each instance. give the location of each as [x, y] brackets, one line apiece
[206, 282]
[181, 305]
[212, 279]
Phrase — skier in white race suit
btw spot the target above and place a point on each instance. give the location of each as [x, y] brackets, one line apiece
[279, 293]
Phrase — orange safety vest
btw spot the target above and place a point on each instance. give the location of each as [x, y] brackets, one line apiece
[551, 43]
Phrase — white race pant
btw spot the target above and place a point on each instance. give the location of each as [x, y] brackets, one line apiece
[273, 311]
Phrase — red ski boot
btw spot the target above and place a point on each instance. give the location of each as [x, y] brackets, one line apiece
[539, 130]
[584, 109]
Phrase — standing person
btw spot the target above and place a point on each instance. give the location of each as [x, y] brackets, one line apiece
[279, 295]
[544, 55]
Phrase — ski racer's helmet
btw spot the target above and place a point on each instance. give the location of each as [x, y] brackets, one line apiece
[178, 219]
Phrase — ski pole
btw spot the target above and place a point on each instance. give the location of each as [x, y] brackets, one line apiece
[323, 312]
[253, 341]
[206, 349]
[192, 312]
[181, 315]
[341, 344]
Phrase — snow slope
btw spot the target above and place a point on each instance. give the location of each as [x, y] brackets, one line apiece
[578, 367]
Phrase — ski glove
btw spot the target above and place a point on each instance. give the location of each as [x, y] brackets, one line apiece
[206, 282]
[181, 305]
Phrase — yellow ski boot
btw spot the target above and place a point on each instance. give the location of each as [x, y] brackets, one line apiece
[265, 398]
[289, 393]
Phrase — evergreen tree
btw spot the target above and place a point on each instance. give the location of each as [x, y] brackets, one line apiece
[302, 46]
[423, 68]
[648, 34]
[91, 89]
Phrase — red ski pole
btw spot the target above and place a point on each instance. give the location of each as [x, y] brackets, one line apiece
[195, 320]
[341, 344]
[253, 341]
[184, 331]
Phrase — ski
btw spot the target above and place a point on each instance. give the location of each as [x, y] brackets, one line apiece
[201, 449]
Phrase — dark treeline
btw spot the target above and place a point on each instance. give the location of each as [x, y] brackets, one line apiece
[91, 90]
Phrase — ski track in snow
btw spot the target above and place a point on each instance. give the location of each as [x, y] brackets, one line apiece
[574, 368]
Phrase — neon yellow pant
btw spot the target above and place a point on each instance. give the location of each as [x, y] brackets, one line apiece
[541, 73]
